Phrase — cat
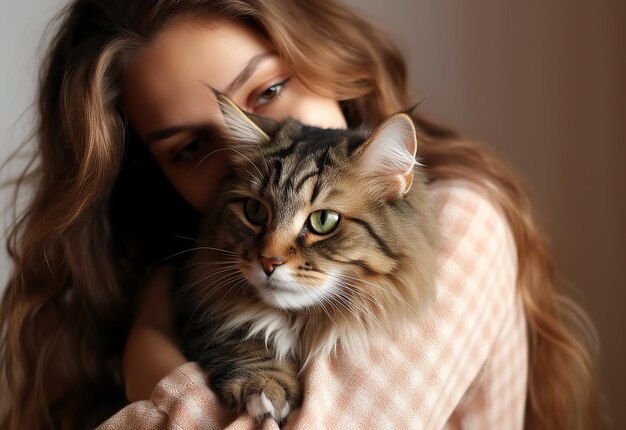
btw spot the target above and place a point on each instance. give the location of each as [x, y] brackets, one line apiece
[323, 240]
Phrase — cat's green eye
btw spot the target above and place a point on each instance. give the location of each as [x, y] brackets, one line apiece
[324, 221]
[256, 212]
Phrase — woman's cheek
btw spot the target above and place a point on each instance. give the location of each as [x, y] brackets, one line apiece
[315, 110]
[320, 113]
[198, 184]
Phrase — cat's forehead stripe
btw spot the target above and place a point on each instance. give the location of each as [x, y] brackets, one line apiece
[305, 178]
[278, 170]
[289, 173]
[321, 162]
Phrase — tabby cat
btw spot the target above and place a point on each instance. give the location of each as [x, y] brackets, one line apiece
[322, 241]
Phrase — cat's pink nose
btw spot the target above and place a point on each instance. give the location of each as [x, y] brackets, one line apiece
[270, 263]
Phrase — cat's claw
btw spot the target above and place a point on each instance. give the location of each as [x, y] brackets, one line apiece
[259, 406]
[285, 411]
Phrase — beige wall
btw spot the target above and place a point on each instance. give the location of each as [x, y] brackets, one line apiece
[542, 82]
[21, 28]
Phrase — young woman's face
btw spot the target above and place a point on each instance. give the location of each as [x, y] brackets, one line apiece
[170, 106]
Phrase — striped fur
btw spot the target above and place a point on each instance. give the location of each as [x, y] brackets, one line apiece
[342, 291]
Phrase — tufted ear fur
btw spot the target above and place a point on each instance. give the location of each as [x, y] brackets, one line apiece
[389, 154]
[241, 127]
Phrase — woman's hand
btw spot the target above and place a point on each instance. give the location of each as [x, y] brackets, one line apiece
[151, 352]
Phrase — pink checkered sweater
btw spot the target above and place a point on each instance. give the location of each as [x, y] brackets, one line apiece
[466, 369]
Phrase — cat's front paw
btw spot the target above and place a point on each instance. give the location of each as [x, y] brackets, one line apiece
[259, 405]
[262, 396]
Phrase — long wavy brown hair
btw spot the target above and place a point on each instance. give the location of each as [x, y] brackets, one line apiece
[91, 229]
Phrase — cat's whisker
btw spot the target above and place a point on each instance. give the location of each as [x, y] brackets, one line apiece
[234, 150]
[210, 275]
[335, 306]
[213, 274]
[183, 288]
[207, 156]
[235, 282]
[323, 305]
[234, 262]
[357, 292]
[353, 289]
[210, 263]
[241, 280]
[348, 305]
[217, 284]
[238, 153]
[198, 248]
[320, 302]
[214, 270]
[249, 161]
[211, 248]
[379, 287]
[241, 287]
[363, 309]
[193, 268]
[208, 291]
[254, 179]
[224, 258]
[185, 237]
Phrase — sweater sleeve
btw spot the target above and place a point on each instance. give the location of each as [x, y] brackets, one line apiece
[181, 400]
[464, 367]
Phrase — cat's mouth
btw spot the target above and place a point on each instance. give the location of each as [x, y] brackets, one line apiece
[281, 291]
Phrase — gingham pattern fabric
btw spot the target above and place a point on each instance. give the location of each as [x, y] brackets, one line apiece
[466, 368]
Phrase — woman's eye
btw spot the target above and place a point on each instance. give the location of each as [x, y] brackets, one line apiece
[256, 212]
[190, 150]
[270, 94]
[323, 222]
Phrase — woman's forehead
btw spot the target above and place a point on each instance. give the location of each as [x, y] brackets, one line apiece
[166, 82]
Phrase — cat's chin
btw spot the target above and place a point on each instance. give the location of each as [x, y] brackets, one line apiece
[287, 300]
[281, 292]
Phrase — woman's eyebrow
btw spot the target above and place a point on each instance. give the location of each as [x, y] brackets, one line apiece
[253, 64]
[167, 132]
[205, 130]
[247, 72]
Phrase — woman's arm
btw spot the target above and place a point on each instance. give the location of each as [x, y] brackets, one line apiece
[165, 390]
[151, 352]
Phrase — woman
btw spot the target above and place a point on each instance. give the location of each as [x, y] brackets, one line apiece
[119, 117]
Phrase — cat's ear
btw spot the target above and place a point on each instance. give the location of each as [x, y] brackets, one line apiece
[239, 127]
[389, 154]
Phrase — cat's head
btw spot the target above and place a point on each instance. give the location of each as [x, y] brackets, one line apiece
[315, 215]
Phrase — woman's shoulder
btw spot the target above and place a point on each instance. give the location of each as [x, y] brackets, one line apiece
[469, 211]
[477, 235]
[461, 192]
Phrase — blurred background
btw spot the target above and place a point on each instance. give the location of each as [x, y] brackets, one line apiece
[542, 83]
